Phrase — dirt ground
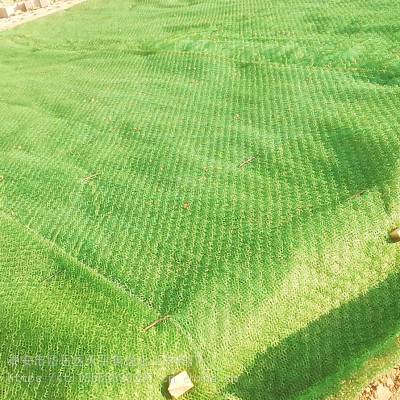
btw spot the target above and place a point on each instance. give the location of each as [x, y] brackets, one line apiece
[386, 387]
[23, 17]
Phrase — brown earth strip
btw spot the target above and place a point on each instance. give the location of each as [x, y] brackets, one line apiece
[23, 17]
[386, 387]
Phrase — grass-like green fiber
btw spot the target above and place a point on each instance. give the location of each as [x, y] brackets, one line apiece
[277, 274]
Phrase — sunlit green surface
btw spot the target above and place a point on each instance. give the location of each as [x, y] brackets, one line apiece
[277, 274]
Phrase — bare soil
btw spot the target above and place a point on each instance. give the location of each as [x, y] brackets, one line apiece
[386, 387]
[23, 17]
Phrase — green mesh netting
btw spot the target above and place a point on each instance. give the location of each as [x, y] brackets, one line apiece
[232, 164]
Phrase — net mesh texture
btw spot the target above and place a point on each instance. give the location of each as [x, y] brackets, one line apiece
[231, 164]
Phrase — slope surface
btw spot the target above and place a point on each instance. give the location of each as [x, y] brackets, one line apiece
[277, 273]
